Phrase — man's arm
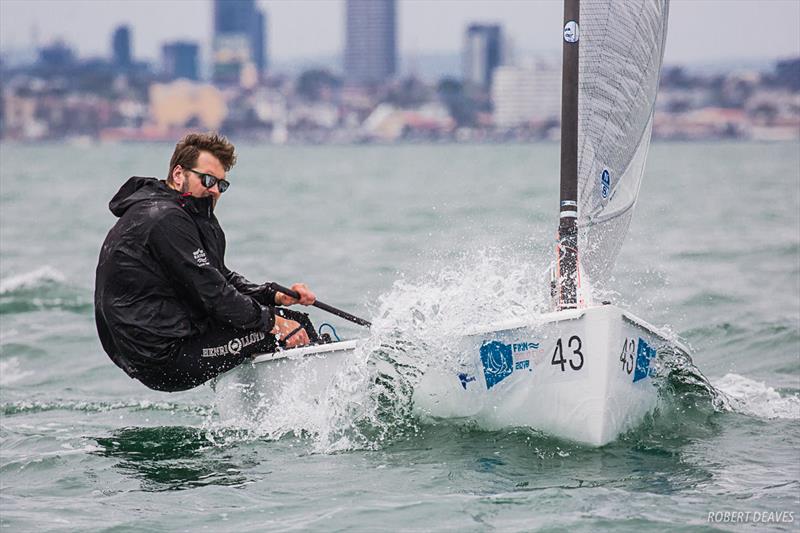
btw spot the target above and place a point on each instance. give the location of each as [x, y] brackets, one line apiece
[177, 246]
[267, 295]
[263, 294]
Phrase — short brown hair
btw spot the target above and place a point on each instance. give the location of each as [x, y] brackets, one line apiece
[188, 149]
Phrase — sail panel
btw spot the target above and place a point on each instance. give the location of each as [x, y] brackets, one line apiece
[621, 51]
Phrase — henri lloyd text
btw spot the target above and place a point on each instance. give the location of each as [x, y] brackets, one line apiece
[234, 346]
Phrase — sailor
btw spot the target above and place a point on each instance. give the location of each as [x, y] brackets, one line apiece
[168, 310]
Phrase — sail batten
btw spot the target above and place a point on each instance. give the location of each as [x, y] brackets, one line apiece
[621, 50]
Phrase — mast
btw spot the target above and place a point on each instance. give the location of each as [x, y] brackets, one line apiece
[567, 266]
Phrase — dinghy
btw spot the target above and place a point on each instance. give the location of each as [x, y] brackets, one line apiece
[584, 371]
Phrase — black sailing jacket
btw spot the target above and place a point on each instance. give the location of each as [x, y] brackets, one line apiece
[162, 277]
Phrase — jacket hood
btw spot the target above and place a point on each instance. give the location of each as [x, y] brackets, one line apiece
[138, 189]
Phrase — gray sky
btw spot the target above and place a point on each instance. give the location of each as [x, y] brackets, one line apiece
[701, 31]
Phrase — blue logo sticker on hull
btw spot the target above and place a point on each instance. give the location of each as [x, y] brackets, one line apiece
[644, 356]
[465, 378]
[498, 362]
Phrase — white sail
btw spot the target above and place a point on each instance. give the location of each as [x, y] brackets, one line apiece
[621, 50]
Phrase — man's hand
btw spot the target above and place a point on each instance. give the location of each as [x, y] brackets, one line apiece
[306, 296]
[284, 327]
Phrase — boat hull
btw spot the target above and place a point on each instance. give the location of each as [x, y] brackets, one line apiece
[583, 375]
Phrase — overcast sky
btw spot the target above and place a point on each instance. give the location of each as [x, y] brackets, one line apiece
[701, 31]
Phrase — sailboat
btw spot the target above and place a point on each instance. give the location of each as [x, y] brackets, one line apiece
[583, 372]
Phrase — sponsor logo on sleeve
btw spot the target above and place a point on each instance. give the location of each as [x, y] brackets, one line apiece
[200, 257]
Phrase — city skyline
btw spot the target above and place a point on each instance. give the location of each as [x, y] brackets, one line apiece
[700, 31]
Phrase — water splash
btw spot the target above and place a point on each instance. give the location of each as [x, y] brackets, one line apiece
[369, 402]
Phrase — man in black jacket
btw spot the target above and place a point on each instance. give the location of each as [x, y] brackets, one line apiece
[168, 310]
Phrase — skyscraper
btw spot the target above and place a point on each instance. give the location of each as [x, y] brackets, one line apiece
[483, 53]
[258, 42]
[239, 39]
[180, 60]
[370, 55]
[121, 47]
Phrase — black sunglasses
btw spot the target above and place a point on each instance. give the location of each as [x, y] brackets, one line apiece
[208, 180]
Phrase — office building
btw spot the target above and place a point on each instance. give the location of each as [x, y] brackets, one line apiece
[239, 40]
[121, 47]
[56, 56]
[370, 55]
[258, 41]
[526, 96]
[483, 53]
[179, 60]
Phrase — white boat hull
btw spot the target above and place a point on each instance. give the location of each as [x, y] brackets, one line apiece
[582, 375]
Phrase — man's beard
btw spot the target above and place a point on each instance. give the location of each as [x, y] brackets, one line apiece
[185, 190]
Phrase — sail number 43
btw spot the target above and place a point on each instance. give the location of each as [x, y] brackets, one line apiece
[628, 355]
[575, 359]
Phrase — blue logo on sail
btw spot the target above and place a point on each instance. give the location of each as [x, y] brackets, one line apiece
[605, 183]
[644, 356]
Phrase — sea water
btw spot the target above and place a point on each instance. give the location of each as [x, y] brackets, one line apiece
[427, 241]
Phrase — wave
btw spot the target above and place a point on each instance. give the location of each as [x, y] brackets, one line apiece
[44, 288]
[169, 458]
[42, 276]
[755, 398]
[10, 371]
[34, 406]
[685, 388]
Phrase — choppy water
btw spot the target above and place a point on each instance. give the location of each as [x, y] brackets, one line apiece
[430, 240]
